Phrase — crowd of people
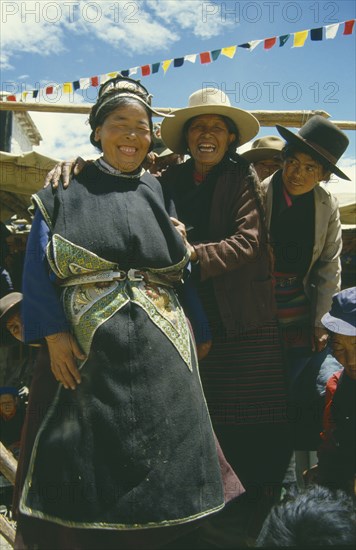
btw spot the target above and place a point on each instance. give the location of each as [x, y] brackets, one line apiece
[187, 307]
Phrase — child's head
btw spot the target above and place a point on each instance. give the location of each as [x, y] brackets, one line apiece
[341, 322]
[10, 314]
[315, 518]
[8, 402]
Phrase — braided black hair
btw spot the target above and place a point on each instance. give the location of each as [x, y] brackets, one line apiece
[100, 112]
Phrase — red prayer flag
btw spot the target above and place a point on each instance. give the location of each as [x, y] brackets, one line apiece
[269, 43]
[11, 98]
[49, 90]
[146, 70]
[94, 81]
[349, 25]
[205, 57]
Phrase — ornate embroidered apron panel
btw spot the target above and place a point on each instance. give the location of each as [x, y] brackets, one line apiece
[88, 305]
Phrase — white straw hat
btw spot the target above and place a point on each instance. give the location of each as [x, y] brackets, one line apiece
[207, 101]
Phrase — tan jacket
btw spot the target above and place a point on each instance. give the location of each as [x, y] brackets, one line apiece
[323, 278]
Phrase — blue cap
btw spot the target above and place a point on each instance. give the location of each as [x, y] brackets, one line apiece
[5, 390]
[341, 318]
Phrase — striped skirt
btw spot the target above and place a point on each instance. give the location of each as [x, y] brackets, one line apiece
[293, 310]
[243, 375]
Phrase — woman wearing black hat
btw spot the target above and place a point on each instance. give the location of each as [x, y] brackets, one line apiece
[127, 445]
[305, 229]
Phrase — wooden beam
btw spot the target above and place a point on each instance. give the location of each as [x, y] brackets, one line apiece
[83, 108]
[294, 119]
[345, 124]
[266, 118]
[8, 464]
[12, 203]
[7, 531]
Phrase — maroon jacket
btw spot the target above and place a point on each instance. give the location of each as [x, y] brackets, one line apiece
[337, 450]
[237, 256]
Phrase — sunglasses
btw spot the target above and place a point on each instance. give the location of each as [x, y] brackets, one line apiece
[125, 85]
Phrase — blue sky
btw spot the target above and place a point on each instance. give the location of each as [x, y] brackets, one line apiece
[64, 40]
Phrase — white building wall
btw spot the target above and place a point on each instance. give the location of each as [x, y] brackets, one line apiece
[20, 141]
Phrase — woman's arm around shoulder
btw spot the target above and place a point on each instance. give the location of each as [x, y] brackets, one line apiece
[237, 211]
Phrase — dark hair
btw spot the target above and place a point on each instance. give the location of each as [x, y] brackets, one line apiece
[289, 151]
[99, 113]
[231, 127]
[316, 517]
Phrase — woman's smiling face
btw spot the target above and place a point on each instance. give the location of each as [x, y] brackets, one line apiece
[208, 139]
[125, 137]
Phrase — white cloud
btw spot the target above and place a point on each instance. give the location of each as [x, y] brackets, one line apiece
[149, 26]
[4, 61]
[22, 31]
[64, 136]
[132, 28]
[203, 19]
[42, 28]
[344, 190]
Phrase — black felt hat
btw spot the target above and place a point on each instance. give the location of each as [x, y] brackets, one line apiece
[322, 138]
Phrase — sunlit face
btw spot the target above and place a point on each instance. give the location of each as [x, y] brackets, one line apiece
[266, 168]
[7, 405]
[344, 351]
[208, 140]
[301, 173]
[125, 137]
[14, 326]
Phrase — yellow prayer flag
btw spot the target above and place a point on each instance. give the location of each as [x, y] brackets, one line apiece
[112, 75]
[299, 39]
[166, 64]
[67, 88]
[229, 52]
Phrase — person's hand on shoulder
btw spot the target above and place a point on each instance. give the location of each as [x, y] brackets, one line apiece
[64, 171]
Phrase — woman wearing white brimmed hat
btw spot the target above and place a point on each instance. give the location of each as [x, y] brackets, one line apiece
[217, 196]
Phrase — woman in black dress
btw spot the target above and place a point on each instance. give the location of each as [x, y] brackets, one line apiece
[126, 444]
[218, 197]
